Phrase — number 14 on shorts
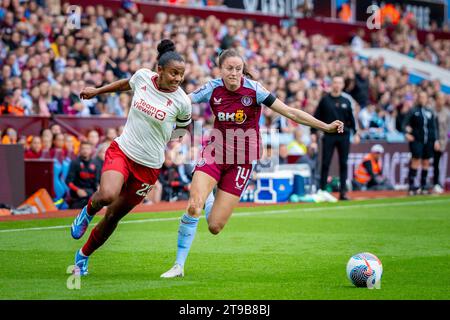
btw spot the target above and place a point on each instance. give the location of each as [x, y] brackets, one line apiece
[242, 174]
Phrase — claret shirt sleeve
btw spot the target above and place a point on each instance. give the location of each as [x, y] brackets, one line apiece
[202, 94]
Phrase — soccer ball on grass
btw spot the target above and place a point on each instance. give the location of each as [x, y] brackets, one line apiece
[365, 270]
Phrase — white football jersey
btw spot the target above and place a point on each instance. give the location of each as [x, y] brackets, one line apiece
[154, 112]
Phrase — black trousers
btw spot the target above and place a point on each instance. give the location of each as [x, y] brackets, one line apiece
[342, 144]
[436, 160]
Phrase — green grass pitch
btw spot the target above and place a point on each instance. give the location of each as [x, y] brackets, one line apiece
[292, 252]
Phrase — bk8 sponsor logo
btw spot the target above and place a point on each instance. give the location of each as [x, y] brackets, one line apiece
[238, 117]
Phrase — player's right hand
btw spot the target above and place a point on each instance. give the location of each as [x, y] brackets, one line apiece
[88, 93]
[335, 126]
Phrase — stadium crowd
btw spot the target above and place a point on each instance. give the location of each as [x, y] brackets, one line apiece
[45, 62]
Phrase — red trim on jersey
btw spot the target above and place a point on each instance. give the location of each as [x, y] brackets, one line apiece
[158, 88]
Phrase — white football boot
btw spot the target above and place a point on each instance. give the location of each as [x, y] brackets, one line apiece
[174, 272]
[438, 189]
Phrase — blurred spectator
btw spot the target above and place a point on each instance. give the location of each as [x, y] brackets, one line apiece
[173, 187]
[69, 146]
[9, 136]
[35, 150]
[93, 138]
[311, 158]
[402, 110]
[305, 10]
[229, 37]
[283, 154]
[369, 173]
[365, 116]
[267, 162]
[47, 141]
[297, 148]
[273, 120]
[442, 109]
[12, 104]
[110, 135]
[358, 42]
[84, 177]
[101, 151]
[60, 166]
[129, 5]
[360, 91]
[57, 151]
[377, 124]
[55, 128]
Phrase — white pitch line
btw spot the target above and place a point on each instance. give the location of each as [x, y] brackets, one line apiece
[255, 213]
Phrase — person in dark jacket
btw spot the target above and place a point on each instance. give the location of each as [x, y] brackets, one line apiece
[360, 91]
[422, 133]
[84, 177]
[333, 106]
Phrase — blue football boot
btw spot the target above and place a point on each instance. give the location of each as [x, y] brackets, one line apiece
[81, 264]
[80, 224]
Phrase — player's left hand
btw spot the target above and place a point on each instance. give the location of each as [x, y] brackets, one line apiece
[437, 146]
[335, 126]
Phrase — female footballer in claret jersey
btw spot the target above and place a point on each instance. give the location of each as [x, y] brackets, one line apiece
[236, 103]
[133, 161]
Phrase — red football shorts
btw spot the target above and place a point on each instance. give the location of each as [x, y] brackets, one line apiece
[231, 178]
[139, 179]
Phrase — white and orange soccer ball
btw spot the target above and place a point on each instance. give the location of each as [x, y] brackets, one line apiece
[365, 270]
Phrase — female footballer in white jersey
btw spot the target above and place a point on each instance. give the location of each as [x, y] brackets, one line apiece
[133, 161]
[236, 103]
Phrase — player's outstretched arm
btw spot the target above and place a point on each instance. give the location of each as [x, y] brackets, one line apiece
[119, 85]
[305, 118]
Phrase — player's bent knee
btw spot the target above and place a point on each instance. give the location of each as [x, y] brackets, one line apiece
[108, 196]
[215, 228]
